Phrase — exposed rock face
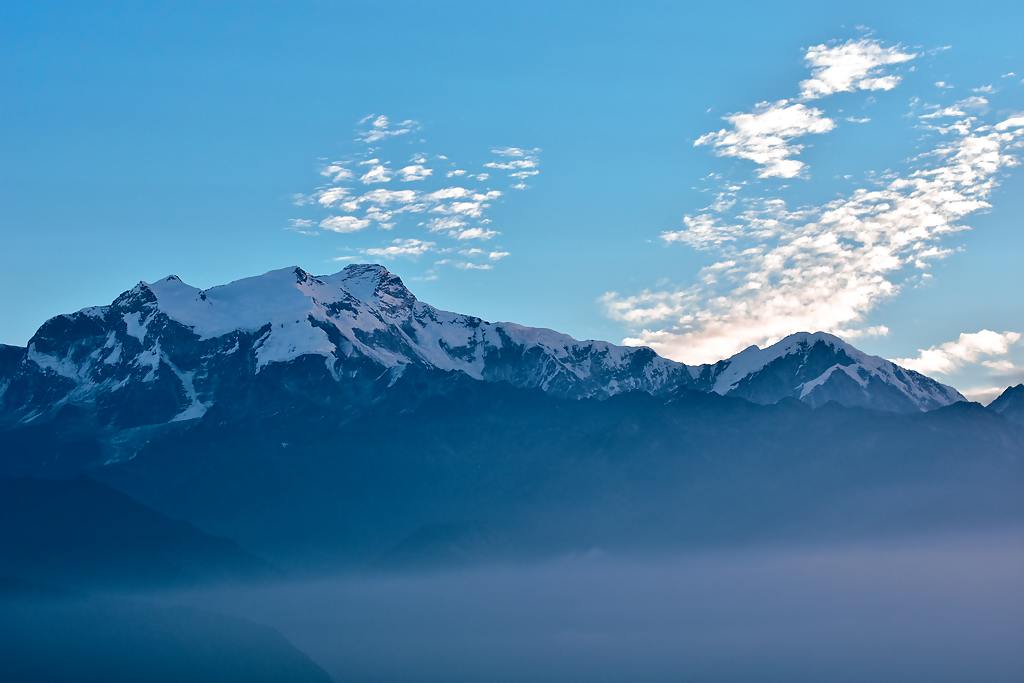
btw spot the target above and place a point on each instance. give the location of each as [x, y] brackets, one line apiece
[165, 352]
[818, 368]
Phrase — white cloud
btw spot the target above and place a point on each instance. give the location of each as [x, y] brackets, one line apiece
[331, 195]
[513, 165]
[514, 151]
[414, 172]
[983, 395]
[648, 307]
[449, 193]
[336, 172]
[445, 223]
[968, 348]
[818, 267]
[344, 223]
[703, 231]
[862, 332]
[765, 136]
[960, 108]
[828, 265]
[303, 226]
[1012, 122]
[384, 196]
[378, 173]
[474, 234]
[473, 207]
[518, 163]
[467, 265]
[381, 128]
[450, 213]
[401, 247]
[853, 65]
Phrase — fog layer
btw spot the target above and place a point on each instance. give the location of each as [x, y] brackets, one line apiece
[938, 609]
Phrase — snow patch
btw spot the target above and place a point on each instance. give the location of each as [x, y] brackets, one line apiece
[135, 326]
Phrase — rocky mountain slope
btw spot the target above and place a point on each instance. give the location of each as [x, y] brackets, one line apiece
[165, 352]
[820, 367]
[1010, 404]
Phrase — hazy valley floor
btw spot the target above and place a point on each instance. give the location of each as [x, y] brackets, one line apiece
[936, 609]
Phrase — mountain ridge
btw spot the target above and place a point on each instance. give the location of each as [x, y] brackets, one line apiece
[1010, 403]
[165, 351]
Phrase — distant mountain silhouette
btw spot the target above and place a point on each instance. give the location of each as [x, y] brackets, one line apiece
[447, 468]
[81, 534]
[1010, 404]
[165, 352]
[119, 640]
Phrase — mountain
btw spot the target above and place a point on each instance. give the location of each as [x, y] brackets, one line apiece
[109, 639]
[165, 352]
[338, 419]
[487, 470]
[78, 533]
[1010, 403]
[818, 368]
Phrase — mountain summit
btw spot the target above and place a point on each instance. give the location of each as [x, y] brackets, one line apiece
[166, 351]
[1010, 403]
[818, 368]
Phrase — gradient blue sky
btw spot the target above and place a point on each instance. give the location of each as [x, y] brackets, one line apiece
[141, 140]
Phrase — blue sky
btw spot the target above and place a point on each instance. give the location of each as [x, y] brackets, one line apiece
[138, 141]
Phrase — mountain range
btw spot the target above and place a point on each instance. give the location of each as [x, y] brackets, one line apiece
[325, 420]
[165, 352]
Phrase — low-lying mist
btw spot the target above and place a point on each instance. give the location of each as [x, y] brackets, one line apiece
[935, 609]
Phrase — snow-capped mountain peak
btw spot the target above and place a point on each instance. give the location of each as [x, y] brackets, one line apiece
[372, 283]
[820, 367]
[166, 351]
[753, 359]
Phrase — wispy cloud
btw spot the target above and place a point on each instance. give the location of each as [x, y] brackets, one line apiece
[303, 226]
[985, 347]
[378, 127]
[474, 234]
[983, 394]
[400, 247]
[517, 163]
[378, 185]
[344, 223]
[853, 65]
[966, 107]
[767, 135]
[415, 172]
[778, 268]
